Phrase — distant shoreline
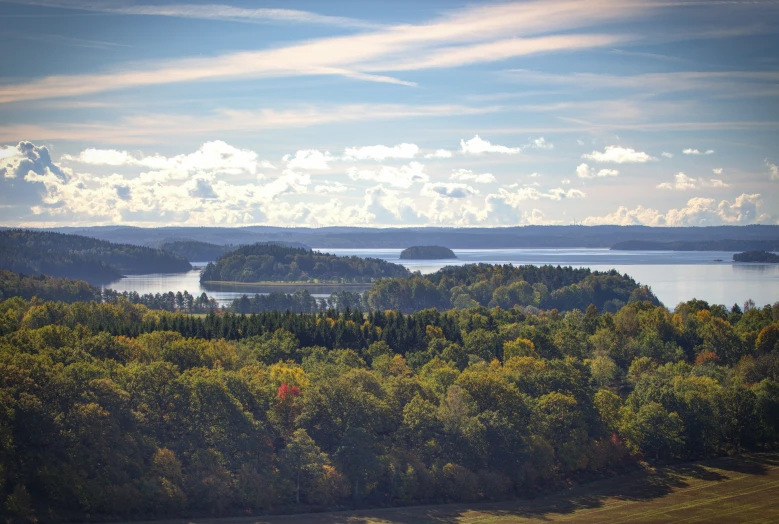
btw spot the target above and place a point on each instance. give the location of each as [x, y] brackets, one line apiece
[276, 283]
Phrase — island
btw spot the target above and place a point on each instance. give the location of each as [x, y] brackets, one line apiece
[756, 256]
[272, 262]
[427, 253]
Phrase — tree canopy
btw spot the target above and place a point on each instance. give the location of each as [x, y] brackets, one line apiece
[264, 262]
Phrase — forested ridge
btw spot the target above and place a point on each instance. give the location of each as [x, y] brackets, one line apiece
[274, 262]
[115, 411]
[196, 251]
[73, 256]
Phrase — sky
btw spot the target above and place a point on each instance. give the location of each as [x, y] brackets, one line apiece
[401, 113]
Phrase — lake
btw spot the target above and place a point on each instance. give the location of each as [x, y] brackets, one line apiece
[674, 276]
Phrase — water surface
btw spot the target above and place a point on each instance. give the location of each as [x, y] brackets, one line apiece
[674, 276]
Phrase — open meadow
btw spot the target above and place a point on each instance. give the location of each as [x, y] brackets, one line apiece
[733, 490]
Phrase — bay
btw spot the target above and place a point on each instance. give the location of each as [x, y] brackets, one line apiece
[674, 276]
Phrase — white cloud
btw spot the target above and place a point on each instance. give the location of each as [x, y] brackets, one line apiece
[402, 177]
[449, 190]
[619, 155]
[331, 187]
[531, 193]
[666, 155]
[477, 34]
[439, 153]
[717, 170]
[540, 143]
[683, 182]
[216, 156]
[774, 169]
[690, 151]
[565, 181]
[309, 159]
[584, 171]
[698, 212]
[380, 152]
[469, 176]
[477, 146]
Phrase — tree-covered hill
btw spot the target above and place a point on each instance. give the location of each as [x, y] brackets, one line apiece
[427, 253]
[196, 251]
[112, 412]
[546, 287]
[273, 262]
[73, 256]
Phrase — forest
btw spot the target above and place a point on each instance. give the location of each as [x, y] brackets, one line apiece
[115, 411]
[265, 262]
[756, 256]
[84, 258]
[195, 251]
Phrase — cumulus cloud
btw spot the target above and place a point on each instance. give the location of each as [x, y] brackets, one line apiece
[439, 153]
[774, 169]
[215, 156]
[666, 155]
[402, 177]
[584, 171]
[478, 146]
[746, 209]
[531, 193]
[717, 170]
[331, 187]
[540, 143]
[380, 152]
[682, 182]
[619, 155]
[690, 151]
[309, 160]
[466, 175]
[449, 190]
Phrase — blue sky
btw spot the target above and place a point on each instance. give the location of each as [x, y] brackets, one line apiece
[389, 113]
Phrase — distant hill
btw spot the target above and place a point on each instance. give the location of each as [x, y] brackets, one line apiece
[706, 245]
[273, 262]
[196, 251]
[756, 256]
[427, 253]
[73, 256]
[452, 237]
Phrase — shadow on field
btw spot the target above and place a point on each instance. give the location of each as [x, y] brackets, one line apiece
[645, 486]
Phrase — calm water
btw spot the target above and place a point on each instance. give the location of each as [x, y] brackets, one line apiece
[674, 276]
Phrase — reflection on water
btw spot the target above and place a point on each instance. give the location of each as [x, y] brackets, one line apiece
[674, 276]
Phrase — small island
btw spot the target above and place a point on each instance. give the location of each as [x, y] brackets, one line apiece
[427, 253]
[756, 256]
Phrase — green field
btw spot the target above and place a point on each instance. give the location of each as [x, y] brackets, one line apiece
[743, 489]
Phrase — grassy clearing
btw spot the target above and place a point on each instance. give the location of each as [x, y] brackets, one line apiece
[738, 490]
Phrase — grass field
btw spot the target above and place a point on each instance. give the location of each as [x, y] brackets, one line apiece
[739, 490]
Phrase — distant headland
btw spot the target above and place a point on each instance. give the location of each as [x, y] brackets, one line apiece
[756, 256]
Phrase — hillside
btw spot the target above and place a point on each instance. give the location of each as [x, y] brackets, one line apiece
[427, 253]
[195, 251]
[452, 237]
[266, 262]
[175, 416]
[73, 256]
